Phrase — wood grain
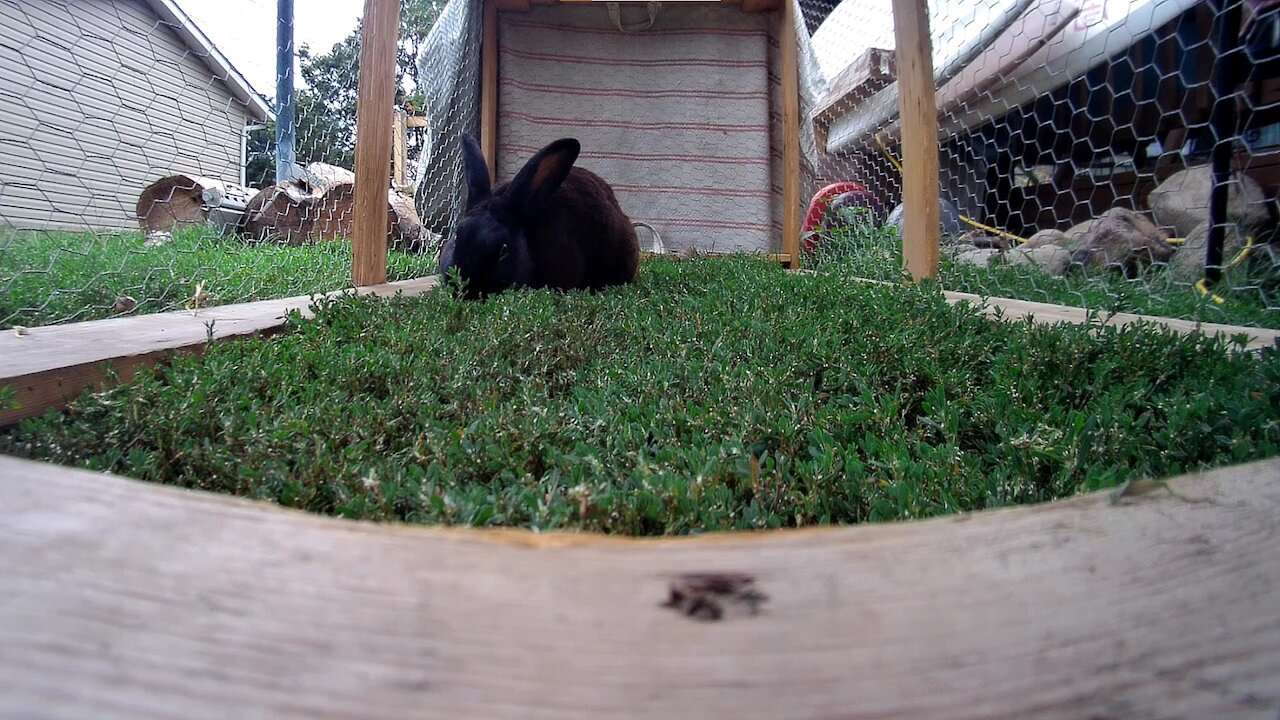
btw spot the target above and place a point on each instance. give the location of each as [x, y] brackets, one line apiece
[374, 110]
[921, 228]
[790, 89]
[127, 600]
[51, 365]
[871, 71]
[489, 88]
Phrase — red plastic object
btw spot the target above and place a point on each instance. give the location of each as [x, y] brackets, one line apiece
[818, 205]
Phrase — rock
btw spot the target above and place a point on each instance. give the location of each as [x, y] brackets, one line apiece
[978, 257]
[1187, 264]
[983, 240]
[1182, 201]
[955, 251]
[1047, 238]
[950, 219]
[1120, 239]
[1052, 259]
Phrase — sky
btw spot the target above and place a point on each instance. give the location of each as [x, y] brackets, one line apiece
[245, 31]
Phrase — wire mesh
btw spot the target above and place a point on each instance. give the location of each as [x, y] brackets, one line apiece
[138, 165]
[1075, 143]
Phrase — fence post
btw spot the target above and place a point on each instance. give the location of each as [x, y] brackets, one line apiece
[790, 135]
[921, 221]
[374, 109]
[286, 133]
[489, 87]
[1222, 124]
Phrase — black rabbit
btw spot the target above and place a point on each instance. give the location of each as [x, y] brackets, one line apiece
[553, 225]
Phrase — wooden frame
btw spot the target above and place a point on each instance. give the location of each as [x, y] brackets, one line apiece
[124, 599]
[374, 111]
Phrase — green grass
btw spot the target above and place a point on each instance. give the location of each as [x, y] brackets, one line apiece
[708, 395]
[55, 277]
[877, 254]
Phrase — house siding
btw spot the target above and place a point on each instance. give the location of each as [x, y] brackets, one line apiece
[99, 98]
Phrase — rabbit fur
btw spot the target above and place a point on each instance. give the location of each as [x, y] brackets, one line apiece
[553, 225]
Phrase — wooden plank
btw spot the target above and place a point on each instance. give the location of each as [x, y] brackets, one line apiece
[921, 229]
[762, 6]
[416, 121]
[513, 5]
[1012, 309]
[790, 89]
[871, 71]
[125, 600]
[399, 149]
[489, 88]
[373, 140]
[49, 366]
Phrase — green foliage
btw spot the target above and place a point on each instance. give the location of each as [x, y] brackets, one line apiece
[708, 395]
[326, 107]
[58, 277]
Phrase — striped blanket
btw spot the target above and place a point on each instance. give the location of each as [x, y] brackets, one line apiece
[677, 117]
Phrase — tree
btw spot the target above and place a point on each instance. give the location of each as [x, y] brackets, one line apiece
[326, 107]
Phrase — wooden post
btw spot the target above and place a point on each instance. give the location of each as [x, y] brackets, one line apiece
[399, 149]
[790, 135]
[373, 140]
[921, 225]
[489, 88]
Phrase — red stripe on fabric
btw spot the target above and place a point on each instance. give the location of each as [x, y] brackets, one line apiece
[700, 94]
[725, 192]
[706, 159]
[611, 31]
[673, 62]
[721, 224]
[581, 122]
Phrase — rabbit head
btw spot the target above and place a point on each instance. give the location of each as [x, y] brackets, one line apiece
[490, 249]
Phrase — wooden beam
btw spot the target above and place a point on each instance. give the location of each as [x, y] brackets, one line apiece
[790, 89]
[416, 121]
[921, 227]
[1160, 604]
[871, 71]
[373, 140]
[400, 148]
[489, 88]
[50, 366]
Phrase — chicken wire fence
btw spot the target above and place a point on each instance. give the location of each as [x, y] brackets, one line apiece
[138, 166]
[1075, 143]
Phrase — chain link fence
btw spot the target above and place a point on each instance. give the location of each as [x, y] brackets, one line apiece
[138, 166]
[1075, 141]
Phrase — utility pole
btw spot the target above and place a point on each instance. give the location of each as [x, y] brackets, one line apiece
[286, 133]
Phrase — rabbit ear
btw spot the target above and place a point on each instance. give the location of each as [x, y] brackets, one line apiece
[477, 171]
[542, 175]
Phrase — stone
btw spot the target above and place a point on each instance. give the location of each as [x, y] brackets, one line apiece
[980, 257]
[1047, 238]
[1052, 259]
[1187, 264]
[1121, 239]
[1181, 202]
[949, 218]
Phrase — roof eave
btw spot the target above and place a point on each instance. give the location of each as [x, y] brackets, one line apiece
[195, 39]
